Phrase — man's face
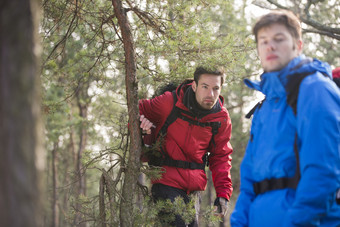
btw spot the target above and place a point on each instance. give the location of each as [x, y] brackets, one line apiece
[276, 47]
[207, 90]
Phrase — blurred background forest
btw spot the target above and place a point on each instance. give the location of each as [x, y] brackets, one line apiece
[92, 175]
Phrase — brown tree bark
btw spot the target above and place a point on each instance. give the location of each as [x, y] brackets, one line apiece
[21, 155]
[68, 161]
[55, 208]
[102, 210]
[133, 165]
[210, 192]
[82, 102]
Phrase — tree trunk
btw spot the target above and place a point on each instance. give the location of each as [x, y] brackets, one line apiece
[21, 155]
[133, 165]
[210, 192]
[68, 163]
[55, 209]
[82, 101]
[102, 210]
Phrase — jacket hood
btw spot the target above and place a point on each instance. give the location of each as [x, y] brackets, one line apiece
[272, 83]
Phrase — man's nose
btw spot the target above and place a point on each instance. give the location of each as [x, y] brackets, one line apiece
[211, 93]
[271, 46]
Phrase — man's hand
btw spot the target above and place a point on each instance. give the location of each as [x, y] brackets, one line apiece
[146, 125]
[221, 207]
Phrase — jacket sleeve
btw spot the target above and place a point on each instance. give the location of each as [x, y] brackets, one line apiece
[318, 125]
[239, 217]
[157, 109]
[220, 160]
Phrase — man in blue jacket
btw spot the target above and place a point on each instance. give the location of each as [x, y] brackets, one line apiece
[290, 174]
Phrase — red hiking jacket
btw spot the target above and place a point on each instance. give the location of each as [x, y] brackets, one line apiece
[190, 143]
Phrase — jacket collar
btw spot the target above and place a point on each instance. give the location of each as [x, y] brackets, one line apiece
[186, 98]
[272, 83]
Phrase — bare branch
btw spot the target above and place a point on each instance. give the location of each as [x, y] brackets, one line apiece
[68, 32]
[306, 18]
[310, 21]
[329, 34]
[277, 4]
[146, 17]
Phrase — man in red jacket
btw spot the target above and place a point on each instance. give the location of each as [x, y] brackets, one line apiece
[202, 126]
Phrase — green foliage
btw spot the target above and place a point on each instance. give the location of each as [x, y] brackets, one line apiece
[152, 172]
[327, 13]
[83, 70]
[163, 212]
[192, 35]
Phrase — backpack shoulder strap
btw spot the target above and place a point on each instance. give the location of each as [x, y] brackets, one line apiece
[171, 117]
[293, 88]
[252, 111]
[293, 84]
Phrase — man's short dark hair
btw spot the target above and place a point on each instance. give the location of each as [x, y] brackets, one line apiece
[283, 17]
[204, 70]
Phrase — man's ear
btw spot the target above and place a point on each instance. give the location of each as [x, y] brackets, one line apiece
[299, 46]
[194, 86]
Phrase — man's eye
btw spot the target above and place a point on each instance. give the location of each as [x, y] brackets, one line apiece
[264, 42]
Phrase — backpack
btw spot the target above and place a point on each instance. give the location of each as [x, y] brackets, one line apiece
[161, 158]
[292, 90]
[336, 76]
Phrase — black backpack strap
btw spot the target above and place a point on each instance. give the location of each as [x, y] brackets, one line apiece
[171, 117]
[293, 84]
[167, 161]
[293, 88]
[252, 111]
[214, 130]
[337, 81]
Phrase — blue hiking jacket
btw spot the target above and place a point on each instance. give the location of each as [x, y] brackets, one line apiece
[270, 152]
